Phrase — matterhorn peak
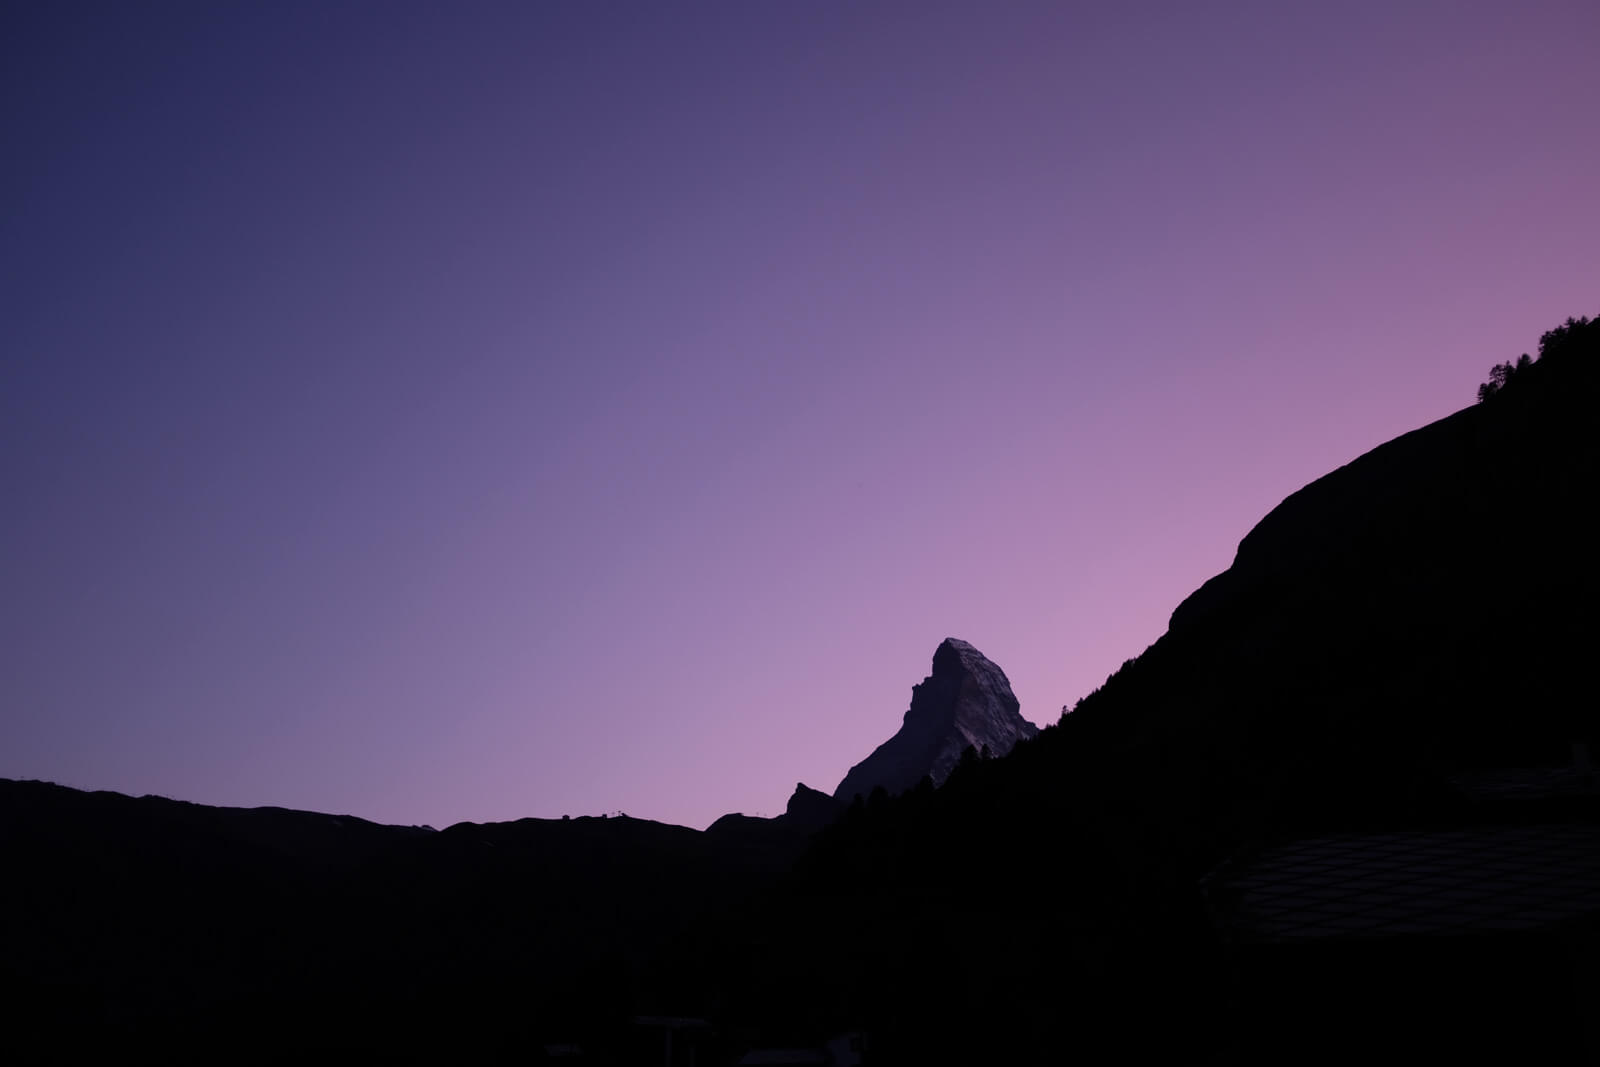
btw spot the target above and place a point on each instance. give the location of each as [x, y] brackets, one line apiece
[966, 701]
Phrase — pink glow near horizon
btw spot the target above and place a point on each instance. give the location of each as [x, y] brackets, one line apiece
[478, 413]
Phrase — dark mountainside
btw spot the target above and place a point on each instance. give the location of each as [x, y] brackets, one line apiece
[965, 703]
[174, 929]
[1420, 614]
[1413, 623]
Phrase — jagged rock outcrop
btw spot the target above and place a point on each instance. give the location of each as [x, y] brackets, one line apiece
[966, 701]
[811, 809]
[808, 810]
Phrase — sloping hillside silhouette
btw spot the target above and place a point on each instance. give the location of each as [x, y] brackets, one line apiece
[1421, 613]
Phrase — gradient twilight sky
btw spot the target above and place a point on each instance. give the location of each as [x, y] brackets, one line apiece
[471, 411]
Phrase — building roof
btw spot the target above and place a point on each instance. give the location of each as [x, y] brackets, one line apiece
[1440, 882]
[1517, 784]
[777, 1056]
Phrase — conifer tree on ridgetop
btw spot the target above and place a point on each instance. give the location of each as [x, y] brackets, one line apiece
[1571, 337]
[1500, 376]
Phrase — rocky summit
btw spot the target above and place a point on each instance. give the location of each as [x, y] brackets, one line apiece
[966, 702]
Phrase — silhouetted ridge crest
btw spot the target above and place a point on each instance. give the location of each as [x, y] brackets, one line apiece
[1409, 496]
[1575, 338]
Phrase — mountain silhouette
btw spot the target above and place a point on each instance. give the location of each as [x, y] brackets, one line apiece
[1396, 664]
[966, 702]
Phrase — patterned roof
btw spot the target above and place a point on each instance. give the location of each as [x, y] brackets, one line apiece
[1440, 882]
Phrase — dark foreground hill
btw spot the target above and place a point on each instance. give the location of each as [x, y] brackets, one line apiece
[168, 930]
[1388, 635]
[1390, 638]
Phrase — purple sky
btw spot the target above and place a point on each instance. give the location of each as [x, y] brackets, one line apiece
[471, 411]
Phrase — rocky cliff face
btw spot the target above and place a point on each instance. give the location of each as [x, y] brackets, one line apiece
[967, 700]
